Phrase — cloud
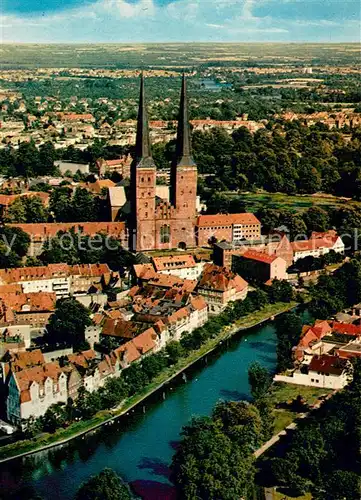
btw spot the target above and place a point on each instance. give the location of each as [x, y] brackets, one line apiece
[180, 20]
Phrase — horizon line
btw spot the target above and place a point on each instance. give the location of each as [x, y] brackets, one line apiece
[185, 43]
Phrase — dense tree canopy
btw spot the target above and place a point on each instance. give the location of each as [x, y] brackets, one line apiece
[293, 159]
[106, 485]
[214, 458]
[288, 328]
[334, 293]
[14, 244]
[67, 324]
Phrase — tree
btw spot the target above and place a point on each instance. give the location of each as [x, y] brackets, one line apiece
[26, 209]
[83, 206]
[208, 464]
[316, 219]
[16, 239]
[113, 392]
[35, 210]
[280, 291]
[31, 426]
[47, 156]
[106, 485]
[27, 159]
[341, 484]
[67, 324]
[60, 205]
[288, 328]
[241, 422]
[16, 212]
[259, 379]
[54, 417]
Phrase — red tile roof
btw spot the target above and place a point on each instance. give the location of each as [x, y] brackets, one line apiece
[144, 271]
[34, 302]
[221, 279]
[260, 256]
[119, 328]
[345, 328]
[37, 374]
[226, 220]
[146, 341]
[169, 281]
[327, 364]
[82, 358]
[317, 240]
[116, 229]
[75, 116]
[127, 352]
[7, 199]
[21, 360]
[199, 303]
[19, 274]
[180, 261]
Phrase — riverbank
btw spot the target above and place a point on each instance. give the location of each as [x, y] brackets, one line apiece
[62, 436]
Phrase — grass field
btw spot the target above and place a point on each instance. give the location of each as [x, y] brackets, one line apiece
[278, 495]
[282, 392]
[298, 203]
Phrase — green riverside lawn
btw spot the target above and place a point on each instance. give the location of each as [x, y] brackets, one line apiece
[78, 428]
[282, 392]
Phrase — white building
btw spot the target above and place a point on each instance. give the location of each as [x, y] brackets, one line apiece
[325, 371]
[33, 390]
[319, 244]
[182, 265]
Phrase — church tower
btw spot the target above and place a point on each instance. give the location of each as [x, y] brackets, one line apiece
[184, 175]
[142, 184]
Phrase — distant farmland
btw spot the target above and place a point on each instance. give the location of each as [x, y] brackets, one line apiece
[173, 55]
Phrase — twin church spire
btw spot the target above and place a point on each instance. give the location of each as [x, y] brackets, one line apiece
[143, 153]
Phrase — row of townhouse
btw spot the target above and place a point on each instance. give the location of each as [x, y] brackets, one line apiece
[61, 279]
[163, 307]
[34, 384]
[40, 233]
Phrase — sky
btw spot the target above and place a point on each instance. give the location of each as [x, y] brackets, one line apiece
[45, 21]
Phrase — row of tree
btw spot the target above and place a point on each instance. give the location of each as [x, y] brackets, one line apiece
[336, 292]
[28, 160]
[291, 158]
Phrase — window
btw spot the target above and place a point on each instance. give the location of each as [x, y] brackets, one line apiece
[148, 179]
[165, 233]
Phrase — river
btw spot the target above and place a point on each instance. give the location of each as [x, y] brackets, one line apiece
[140, 447]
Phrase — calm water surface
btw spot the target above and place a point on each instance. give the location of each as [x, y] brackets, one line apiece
[140, 446]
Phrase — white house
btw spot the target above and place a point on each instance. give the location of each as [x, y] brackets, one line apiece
[319, 244]
[325, 371]
[32, 391]
[182, 265]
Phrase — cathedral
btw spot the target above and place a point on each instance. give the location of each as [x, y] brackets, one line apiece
[156, 223]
